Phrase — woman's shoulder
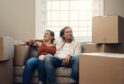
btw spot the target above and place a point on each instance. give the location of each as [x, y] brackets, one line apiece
[53, 45]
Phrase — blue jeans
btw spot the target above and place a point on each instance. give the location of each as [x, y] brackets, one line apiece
[31, 65]
[51, 63]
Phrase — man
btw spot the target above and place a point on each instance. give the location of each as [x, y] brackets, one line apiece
[67, 55]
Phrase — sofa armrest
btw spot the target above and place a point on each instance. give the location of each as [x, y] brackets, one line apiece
[32, 52]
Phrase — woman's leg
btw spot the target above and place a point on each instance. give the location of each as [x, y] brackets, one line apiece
[30, 66]
[41, 71]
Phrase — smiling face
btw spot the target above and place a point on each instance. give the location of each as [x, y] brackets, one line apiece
[68, 34]
[47, 36]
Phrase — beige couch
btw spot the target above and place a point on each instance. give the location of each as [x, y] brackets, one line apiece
[62, 75]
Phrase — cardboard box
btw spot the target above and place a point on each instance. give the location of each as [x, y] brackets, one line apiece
[108, 48]
[101, 68]
[108, 29]
[112, 48]
[90, 48]
[6, 72]
[6, 48]
[21, 52]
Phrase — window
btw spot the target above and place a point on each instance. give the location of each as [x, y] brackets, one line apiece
[77, 14]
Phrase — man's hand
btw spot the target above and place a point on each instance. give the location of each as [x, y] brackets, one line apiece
[66, 60]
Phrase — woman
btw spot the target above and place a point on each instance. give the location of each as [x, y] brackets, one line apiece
[44, 47]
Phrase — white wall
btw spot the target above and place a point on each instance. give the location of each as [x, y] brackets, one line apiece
[114, 7]
[17, 19]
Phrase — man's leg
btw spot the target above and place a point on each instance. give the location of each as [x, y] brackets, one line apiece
[74, 64]
[30, 66]
[51, 63]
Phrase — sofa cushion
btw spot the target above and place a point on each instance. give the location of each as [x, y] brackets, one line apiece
[18, 80]
[59, 80]
[60, 72]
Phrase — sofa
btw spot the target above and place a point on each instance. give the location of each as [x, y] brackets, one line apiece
[62, 73]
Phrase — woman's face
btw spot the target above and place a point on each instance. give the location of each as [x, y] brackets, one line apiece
[47, 36]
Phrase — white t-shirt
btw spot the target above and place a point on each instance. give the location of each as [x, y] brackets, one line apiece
[64, 49]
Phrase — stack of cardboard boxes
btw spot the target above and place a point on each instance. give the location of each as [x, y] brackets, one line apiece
[103, 60]
[107, 35]
[6, 60]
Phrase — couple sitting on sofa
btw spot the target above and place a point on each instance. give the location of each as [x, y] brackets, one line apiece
[64, 53]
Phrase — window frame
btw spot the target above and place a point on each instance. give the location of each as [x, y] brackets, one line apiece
[39, 29]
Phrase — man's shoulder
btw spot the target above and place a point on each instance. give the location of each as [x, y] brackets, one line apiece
[58, 41]
[76, 42]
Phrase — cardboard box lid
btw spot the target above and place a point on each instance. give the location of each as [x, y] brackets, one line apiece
[110, 55]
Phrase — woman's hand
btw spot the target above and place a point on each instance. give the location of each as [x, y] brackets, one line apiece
[37, 44]
[42, 57]
[34, 42]
[29, 42]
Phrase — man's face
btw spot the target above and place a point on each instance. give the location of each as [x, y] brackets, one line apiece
[68, 34]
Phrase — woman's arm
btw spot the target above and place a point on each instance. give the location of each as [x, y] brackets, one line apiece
[33, 42]
[37, 44]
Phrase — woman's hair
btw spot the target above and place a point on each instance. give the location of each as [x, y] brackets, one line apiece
[52, 34]
[62, 32]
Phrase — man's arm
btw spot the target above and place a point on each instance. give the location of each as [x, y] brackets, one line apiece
[77, 50]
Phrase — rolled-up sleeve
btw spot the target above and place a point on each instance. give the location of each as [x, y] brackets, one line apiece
[77, 49]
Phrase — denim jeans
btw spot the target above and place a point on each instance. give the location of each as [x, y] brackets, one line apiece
[31, 65]
[51, 63]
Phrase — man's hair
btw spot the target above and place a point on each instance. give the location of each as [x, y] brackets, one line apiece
[62, 32]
